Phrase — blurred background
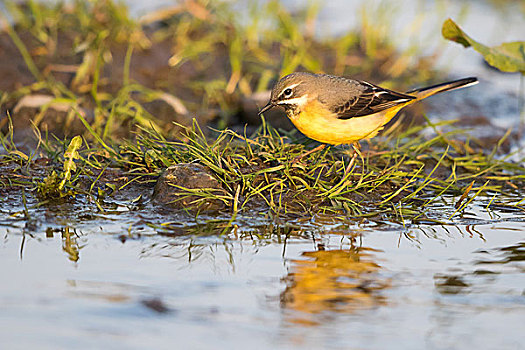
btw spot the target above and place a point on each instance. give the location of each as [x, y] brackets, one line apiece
[216, 60]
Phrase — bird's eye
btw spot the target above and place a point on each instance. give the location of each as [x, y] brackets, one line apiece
[287, 93]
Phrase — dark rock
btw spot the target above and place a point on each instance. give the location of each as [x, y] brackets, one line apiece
[173, 185]
[156, 304]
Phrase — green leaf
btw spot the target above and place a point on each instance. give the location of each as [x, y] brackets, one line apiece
[507, 57]
[69, 160]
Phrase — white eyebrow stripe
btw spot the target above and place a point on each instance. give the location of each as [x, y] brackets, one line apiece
[297, 101]
[288, 87]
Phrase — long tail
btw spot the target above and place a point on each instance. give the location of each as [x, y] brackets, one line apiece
[435, 89]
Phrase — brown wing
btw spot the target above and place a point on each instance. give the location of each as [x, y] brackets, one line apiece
[371, 99]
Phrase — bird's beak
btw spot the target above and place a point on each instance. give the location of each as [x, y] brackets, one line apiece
[267, 107]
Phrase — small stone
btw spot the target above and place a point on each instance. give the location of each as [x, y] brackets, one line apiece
[171, 185]
[156, 304]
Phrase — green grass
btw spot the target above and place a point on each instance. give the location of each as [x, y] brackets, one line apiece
[399, 179]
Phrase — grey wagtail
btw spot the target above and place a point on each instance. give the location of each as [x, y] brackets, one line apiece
[337, 110]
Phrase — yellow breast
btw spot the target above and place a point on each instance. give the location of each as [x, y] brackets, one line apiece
[319, 123]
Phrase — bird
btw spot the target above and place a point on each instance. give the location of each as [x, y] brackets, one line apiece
[337, 110]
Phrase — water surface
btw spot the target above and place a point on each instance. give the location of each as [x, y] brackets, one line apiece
[316, 286]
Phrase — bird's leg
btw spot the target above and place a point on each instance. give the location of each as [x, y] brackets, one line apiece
[349, 166]
[357, 149]
[301, 156]
[355, 153]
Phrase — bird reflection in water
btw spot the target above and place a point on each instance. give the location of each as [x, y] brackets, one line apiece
[333, 281]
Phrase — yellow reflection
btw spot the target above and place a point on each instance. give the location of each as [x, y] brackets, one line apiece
[70, 244]
[342, 280]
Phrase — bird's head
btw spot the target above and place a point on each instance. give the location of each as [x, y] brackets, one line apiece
[290, 92]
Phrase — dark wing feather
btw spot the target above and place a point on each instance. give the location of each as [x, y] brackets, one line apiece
[371, 99]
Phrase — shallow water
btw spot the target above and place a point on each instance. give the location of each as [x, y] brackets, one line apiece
[77, 283]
